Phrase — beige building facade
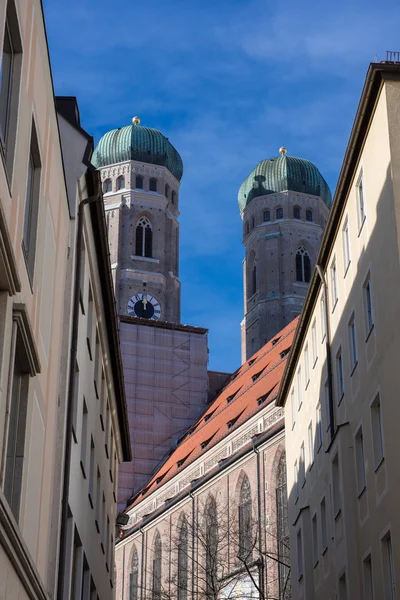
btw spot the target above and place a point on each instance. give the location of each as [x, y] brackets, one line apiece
[340, 385]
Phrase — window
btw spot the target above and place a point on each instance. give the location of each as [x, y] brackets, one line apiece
[293, 408]
[157, 560]
[315, 539]
[153, 185]
[318, 428]
[279, 213]
[183, 561]
[121, 183]
[299, 389]
[299, 555]
[211, 539]
[303, 265]
[377, 433]
[336, 492]
[314, 342]
[139, 182]
[296, 212]
[283, 543]
[98, 500]
[267, 216]
[334, 290]
[245, 520]
[306, 366]
[166, 193]
[309, 215]
[173, 197]
[339, 375]
[91, 472]
[31, 203]
[327, 405]
[323, 316]
[369, 315]
[353, 343]
[254, 280]
[388, 567]
[10, 72]
[253, 223]
[346, 245]
[84, 434]
[360, 200]
[302, 465]
[107, 186]
[324, 531]
[342, 587]
[296, 481]
[311, 444]
[368, 579]
[144, 238]
[360, 461]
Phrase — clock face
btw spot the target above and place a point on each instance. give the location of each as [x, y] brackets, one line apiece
[144, 306]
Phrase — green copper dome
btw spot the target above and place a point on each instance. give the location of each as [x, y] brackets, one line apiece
[135, 142]
[280, 174]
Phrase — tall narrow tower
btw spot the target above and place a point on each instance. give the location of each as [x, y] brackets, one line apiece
[284, 205]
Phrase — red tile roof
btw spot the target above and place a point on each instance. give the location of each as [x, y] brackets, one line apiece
[252, 387]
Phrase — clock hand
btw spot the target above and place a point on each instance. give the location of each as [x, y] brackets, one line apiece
[144, 301]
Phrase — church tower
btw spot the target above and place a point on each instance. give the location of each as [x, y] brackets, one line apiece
[284, 205]
[141, 173]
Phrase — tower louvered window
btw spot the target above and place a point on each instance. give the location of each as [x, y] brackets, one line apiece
[183, 561]
[296, 212]
[211, 520]
[139, 182]
[309, 216]
[303, 265]
[153, 185]
[134, 576]
[245, 521]
[283, 546]
[144, 238]
[279, 213]
[157, 559]
[107, 186]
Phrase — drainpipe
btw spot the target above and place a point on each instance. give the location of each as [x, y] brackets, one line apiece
[193, 544]
[261, 559]
[93, 182]
[328, 352]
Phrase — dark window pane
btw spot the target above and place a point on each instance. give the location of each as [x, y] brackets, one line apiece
[307, 268]
[148, 242]
[299, 267]
[279, 213]
[309, 215]
[139, 183]
[296, 212]
[153, 185]
[267, 215]
[139, 241]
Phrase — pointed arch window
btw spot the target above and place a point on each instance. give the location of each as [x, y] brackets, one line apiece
[245, 520]
[173, 197]
[303, 265]
[183, 561]
[157, 561]
[121, 182]
[279, 213]
[309, 215]
[134, 575]
[153, 185]
[296, 212]
[144, 238]
[283, 546]
[139, 182]
[211, 521]
[254, 279]
[166, 190]
[107, 186]
[267, 216]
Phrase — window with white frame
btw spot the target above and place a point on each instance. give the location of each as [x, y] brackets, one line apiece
[323, 316]
[306, 365]
[336, 488]
[315, 539]
[324, 530]
[346, 245]
[32, 199]
[360, 461]
[368, 311]
[360, 200]
[314, 342]
[377, 431]
[299, 389]
[327, 405]
[388, 567]
[293, 407]
[353, 342]
[311, 444]
[302, 465]
[318, 428]
[299, 555]
[334, 289]
[296, 481]
[339, 375]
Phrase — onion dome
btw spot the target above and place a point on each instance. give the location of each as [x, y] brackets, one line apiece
[135, 142]
[283, 173]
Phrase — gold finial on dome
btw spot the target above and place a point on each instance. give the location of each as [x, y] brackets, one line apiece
[136, 120]
[282, 150]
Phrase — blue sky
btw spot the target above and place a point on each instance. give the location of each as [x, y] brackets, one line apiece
[228, 82]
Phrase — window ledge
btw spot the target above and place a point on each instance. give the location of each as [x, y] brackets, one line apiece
[361, 226]
[307, 384]
[145, 259]
[353, 369]
[324, 550]
[340, 399]
[334, 305]
[346, 269]
[315, 362]
[311, 465]
[369, 333]
[316, 563]
[361, 492]
[337, 514]
[379, 464]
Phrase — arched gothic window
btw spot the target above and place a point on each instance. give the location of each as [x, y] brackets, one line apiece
[267, 216]
[157, 560]
[309, 216]
[139, 182]
[211, 522]
[166, 190]
[303, 265]
[144, 238]
[279, 213]
[282, 530]
[121, 183]
[254, 279]
[296, 212]
[245, 520]
[153, 185]
[107, 186]
[173, 197]
[134, 576]
[183, 561]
